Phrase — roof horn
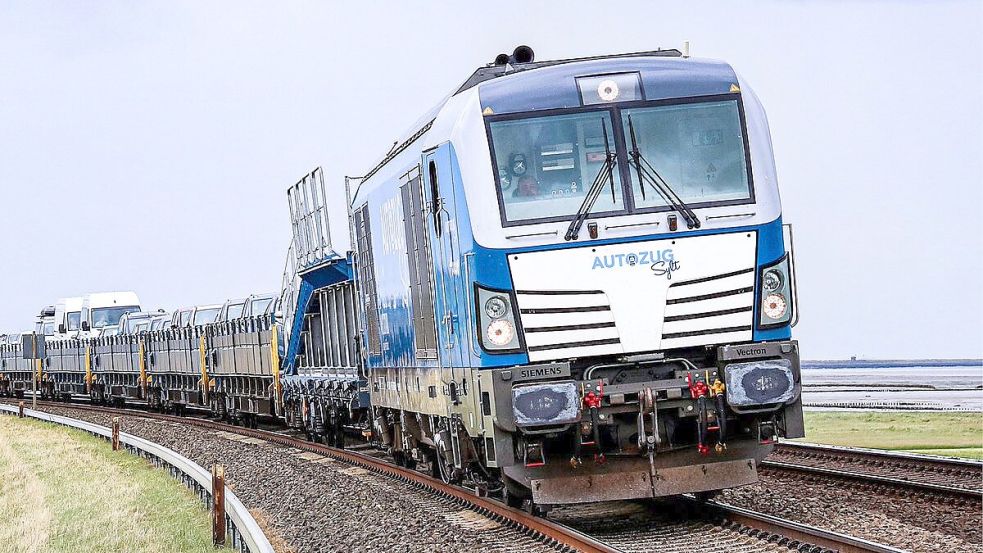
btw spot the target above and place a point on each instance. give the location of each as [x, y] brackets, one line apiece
[522, 54]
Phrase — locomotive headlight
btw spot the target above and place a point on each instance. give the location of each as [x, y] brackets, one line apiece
[544, 404]
[617, 87]
[757, 383]
[774, 306]
[775, 289]
[501, 332]
[608, 90]
[498, 331]
[772, 280]
[496, 307]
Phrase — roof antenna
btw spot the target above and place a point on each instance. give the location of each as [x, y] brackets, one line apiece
[685, 48]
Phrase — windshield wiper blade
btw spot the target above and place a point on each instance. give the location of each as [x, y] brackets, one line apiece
[604, 175]
[655, 180]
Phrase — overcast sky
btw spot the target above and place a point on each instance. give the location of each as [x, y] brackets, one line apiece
[148, 145]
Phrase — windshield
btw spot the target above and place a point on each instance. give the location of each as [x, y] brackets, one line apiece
[235, 310]
[546, 165]
[259, 306]
[184, 318]
[48, 329]
[104, 316]
[74, 320]
[698, 148]
[206, 316]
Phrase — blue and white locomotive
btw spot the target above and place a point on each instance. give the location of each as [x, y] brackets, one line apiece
[570, 282]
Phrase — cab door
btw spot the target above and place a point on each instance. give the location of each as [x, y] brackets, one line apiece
[450, 291]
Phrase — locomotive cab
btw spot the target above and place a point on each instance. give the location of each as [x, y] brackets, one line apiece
[634, 290]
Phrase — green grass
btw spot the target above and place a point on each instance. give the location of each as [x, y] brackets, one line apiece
[63, 490]
[950, 434]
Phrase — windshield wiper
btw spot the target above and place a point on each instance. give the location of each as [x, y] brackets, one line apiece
[655, 180]
[604, 175]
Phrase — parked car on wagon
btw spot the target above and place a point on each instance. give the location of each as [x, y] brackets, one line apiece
[232, 309]
[253, 306]
[205, 314]
[138, 321]
[181, 318]
[195, 316]
[160, 321]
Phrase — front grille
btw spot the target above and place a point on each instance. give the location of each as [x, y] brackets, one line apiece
[567, 323]
[709, 310]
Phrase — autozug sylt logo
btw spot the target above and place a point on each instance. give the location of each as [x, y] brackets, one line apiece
[660, 262]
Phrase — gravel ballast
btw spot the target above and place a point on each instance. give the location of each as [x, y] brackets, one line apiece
[312, 503]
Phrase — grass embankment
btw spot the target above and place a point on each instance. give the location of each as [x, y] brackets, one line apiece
[64, 490]
[951, 434]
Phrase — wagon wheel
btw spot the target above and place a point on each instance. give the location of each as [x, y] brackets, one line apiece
[445, 469]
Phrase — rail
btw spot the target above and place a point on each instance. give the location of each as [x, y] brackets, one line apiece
[948, 476]
[873, 479]
[802, 532]
[892, 455]
[246, 535]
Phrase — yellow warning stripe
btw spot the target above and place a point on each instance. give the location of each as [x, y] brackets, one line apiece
[204, 372]
[275, 364]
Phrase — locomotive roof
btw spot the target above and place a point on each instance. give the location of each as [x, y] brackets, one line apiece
[555, 87]
[493, 71]
[551, 84]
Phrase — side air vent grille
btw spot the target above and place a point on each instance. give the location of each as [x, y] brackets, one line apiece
[713, 309]
[567, 323]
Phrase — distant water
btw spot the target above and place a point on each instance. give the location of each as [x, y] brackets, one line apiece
[890, 363]
[879, 384]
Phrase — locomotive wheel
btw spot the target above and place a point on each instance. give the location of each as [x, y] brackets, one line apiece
[513, 495]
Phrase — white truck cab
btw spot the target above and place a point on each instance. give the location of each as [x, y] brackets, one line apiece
[68, 317]
[104, 309]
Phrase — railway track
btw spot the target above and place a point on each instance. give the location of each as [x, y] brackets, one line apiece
[687, 525]
[678, 525]
[939, 477]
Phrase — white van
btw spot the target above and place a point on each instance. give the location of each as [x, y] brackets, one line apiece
[68, 317]
[104, 309]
